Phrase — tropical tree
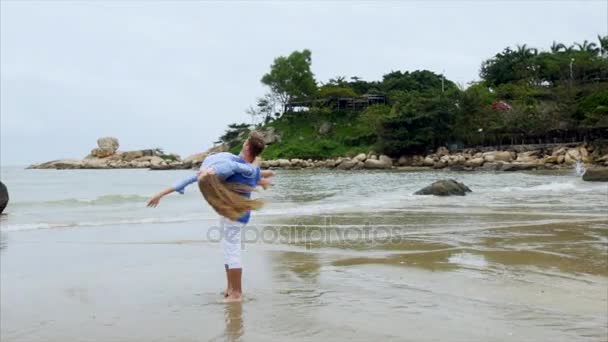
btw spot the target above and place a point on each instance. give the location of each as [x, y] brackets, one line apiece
[290, 77]
[603, 45]
[586, 46]
[557, 47]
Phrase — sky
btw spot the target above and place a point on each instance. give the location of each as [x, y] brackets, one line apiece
[174, 74]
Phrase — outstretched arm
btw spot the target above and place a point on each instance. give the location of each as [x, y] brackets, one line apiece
[178, 187]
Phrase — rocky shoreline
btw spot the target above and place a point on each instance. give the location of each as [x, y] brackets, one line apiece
[514, 158]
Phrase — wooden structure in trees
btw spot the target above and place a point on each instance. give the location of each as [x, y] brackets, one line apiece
[338, 103]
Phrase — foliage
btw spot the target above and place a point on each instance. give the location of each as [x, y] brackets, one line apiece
[562, 89]
[290, 77]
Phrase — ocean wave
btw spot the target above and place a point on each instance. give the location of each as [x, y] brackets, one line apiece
[10, 227]
[550, 187]
[75, 202]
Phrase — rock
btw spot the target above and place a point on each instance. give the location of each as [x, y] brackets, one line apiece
[442, 151]
[440, 165]
[3, 197]
[196, 159]
[382, 163]
[270, 136]
[325, 128]
[108, 144]
[273, 163]
[100, 153]
[405, 161]
[574, 154]
[550, 159]
[560, 159]
[219, 148]
[360, 157]
[386, 159]
[527, 157]
[568, 160]
[428, 161]
[558, 151]
[489, 157]
[157, 161]
[445, 187]
[348, 164]
[475, 162]
[503, 156]
[358, 166]
[60, 164]
[130, 155]
[283, 163]
[492, 166]
[596, 175]
[519, 167]
[96, 163]
[582, 151]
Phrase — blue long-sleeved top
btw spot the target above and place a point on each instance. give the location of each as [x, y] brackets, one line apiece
[229, 167]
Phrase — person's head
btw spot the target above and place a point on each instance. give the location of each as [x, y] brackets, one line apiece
[253, 146]
[226, 198]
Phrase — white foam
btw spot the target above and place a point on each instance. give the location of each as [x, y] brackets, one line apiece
[468, 259]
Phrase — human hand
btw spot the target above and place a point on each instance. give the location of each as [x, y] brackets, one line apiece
[154, 200]
[267, 173]
[265, 183]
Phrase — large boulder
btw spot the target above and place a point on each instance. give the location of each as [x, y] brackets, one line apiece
[475, 162]
[596, 175]
[504, 156]
[383, 162]
[270, 136]
[348, 164]
[442, 151]
[3, 197]
[444, 187]
[360, 157]
[100, 153]
[428, 161]
[284, 163]
[196, 159]
[107, 146]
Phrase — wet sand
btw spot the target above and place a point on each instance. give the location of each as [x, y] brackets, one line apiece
[162, 282]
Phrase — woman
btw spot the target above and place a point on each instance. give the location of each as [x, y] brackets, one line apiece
[226, 182]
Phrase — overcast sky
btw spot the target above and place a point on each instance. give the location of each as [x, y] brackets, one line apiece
[174, 74]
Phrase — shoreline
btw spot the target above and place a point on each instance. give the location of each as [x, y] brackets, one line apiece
[512, 158]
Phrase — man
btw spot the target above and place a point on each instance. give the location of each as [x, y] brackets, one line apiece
[226, 182]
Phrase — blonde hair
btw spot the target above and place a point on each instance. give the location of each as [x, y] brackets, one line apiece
[227, 198]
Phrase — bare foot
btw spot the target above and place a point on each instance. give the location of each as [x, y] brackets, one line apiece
[233, 297]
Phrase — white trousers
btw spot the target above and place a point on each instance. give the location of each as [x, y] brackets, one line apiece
[231, 242]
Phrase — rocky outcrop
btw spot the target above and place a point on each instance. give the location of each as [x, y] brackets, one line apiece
[3, 197]
[445, 187]
[106, 156]
[596, 175]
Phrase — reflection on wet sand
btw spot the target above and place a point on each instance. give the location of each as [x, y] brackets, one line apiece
[233, 317]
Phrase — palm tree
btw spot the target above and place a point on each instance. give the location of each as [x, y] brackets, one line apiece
[587, 47]
[524, 52]
[557, 47]
[603, 44]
